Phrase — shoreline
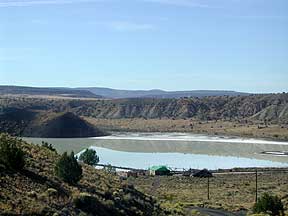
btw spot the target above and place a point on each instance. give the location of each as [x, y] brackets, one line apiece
[273, 132]
[186, 136]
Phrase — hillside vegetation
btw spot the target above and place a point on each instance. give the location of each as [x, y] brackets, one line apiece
[36, 190]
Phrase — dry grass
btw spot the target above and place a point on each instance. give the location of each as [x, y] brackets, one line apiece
[227, 191]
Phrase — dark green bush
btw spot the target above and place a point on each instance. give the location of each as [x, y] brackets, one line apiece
[269, 204]
[92, 206]
[89, 157]
[11, 156]
[86, 203]
[68, 169]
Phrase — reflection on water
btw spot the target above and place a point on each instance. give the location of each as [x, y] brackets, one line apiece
[178, 160]
[177, 150]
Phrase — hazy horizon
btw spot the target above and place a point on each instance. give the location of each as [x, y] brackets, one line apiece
[148, 89]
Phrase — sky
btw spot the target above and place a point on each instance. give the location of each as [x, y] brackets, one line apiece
[239, 45]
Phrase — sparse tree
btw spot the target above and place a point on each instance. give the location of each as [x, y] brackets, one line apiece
[89, 157]
[269, 204]
[10, 154]
[68, 169]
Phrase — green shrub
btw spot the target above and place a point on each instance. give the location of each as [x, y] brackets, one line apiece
[269, 204]
[89, 157]
[11, 156]
[68, 169]
[85, 202]
[92, 206]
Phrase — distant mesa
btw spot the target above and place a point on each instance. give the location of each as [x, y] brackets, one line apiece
[157, 93]
[97, 92]
[47, 125]
[50, 92]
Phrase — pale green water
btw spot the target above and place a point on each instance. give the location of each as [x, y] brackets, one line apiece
[180, 150]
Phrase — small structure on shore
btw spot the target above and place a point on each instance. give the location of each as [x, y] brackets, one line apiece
[203, 174]
[159, 170]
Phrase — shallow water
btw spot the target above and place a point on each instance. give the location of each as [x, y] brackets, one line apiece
[177, 150]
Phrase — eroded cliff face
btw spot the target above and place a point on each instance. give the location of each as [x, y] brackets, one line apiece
[272, 107]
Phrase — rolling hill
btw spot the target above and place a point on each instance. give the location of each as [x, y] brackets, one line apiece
[156, 93]
[96, 92]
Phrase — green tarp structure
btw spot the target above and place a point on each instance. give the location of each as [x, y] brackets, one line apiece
[159, 170]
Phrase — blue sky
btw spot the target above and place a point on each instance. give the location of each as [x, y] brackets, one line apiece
[146, 44]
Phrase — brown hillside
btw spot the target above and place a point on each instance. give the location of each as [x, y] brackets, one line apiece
[36, 190]
[29, 123]
[63, 125]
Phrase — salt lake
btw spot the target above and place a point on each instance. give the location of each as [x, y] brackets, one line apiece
[176, 150]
